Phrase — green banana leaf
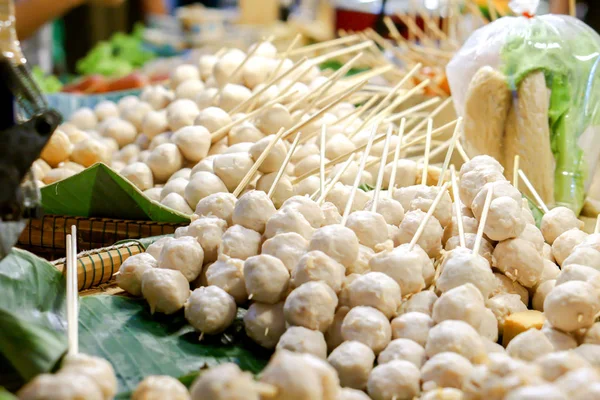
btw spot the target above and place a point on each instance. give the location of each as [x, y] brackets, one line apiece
[32, 310]
[139, 344]
[4, 395]
[100, 192]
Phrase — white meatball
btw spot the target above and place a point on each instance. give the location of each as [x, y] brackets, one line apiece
[213, 118]
[160, 387]
[311, 305]
[156, 247]
[333, 336]
[256, 71]
[176, 185]
[564, 244]
[208, 231]
[84, 119]
[106, 109]
[139, 174]
[265, 323]
[462, 266]
[302, 340]
[288, 220]
[288, 247]
[412, 325]
[161, 138]
[583, 256]
[541, 292]
[210, 310]
[420, 197]
[338, 242]
[370, 228]
[266, 278]
[131, 271]
[406, 173]
[555, 365]
[464, 303]
[506, 285]
[501, 189]
[420, 302]
[228, 274]
[458, 337]
[202, 185]
[488, 328]
[220, 205]
[308, 208]
[272, 119]
[185, 255]
[574, 383]
[503, 305]
[532, 234]
[485, 249]
[431, 238]
[445, 370]
[318, 266]
[206, 63]
[361, 266]
[377, 290]
[353, 362]
[369, 326]
[471, 182]
[64, 386]
[193, 142]
[176, 202]
[226, 65]
[504, 220]
[189, 89]
[253, 210]
[338, 145]
[232, 168]
[181, 113]
[397, 380]
[339, 197]
[406, 267]
[592, 335]
[470, 225]
[206, 98]
[572, 306]
[575, 272]
[391, 210]
[529, 345]
[244, 132]
[232, 95]
[184, 73]
[403, 349]
[329, 380]
[122, 131]
[292, 376]
[165, 290]
[443, 394]
[225, 381]
[283, 191]
[519, 260]
[96, 368]
[164, 161]
[557, 221]
[331, 214]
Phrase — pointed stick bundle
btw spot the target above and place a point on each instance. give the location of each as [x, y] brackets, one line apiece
[483, 220]
[285, 55]
[462, 152]
[348, 50]
[359, 111]
[361, 168]
[412, 110]
[432, 115]
[336, 178]
[427, 150]
[493, 11]
[457, 203]
[250, 174]
[430, 212]
[457, 129]
[324, 45]
[392, 181]
[284, 165]
[516, 172]
[322, 159]
[534, 192]
[72, 292]
[386, 146]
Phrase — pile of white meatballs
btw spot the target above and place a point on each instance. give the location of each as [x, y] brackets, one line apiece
[356, 312]
[161, 141]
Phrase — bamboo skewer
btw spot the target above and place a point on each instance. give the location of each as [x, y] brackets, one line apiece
[492, 10]
[461, 151]
[572, 8]
[516, 172]
[386, 146]
[285, 55]
[450, 150]
[322, 160]
[361, 168]
[341, 52]
[412, 110]
[432, 115]
[430, 212]
[335, 179]
[427, 150]
[284, 165]
[72, 292]
[457, 204]
[392, 181]
[250, 174]
[483, 220]
[324, 45]
[534, 192]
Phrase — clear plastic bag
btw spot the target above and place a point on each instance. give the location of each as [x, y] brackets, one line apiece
[567, 52]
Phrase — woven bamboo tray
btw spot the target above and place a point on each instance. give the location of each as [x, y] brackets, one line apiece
[45, 237]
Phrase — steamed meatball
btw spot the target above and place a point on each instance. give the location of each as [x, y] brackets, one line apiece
[253, 210]
[557, 221]
[210, 310]
[165, 290]
[132, 270]
[370, 228]
[519, 260]
[311, 305]
[409, 268]
[431, 238]
[338, 242]
[266, 278]
[397, 380]
[318, 266]
[289, 247]
[220, 205]
[369, 326]
[265, 323]
[239, 242]
[461, 266]
[353, 362]
[376, 290]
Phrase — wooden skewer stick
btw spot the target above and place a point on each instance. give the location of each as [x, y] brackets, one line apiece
[72, 292]
[285, 55]
[462, 152]
[572, 8]
[284, 165]
[322, 159]
[450, 150]
[361, 168]
[268, 84]
[534, 192]
[516, 172]
[237, 70]
[492, 10]
[412, 110]
[432, 115]
[392, 182]
[347, 50]
[427, 150]
[250, 174]
[483, 219]
[222, 132]
[416, 29]
[430, 212]
[360, 111]
[457, 211]
[324, 45]
[336, 178]
[369, 74]
[386, 146]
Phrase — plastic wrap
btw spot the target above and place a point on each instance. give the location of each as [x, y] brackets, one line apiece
[567, 52]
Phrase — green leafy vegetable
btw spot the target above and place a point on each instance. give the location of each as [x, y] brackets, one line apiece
[567, 53]
[4, 395]
[365, 187]
[46, 83]
[100, 192]
[32, 311]
[139, 344]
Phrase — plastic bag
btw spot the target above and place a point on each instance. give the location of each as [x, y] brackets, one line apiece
[567, 52]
